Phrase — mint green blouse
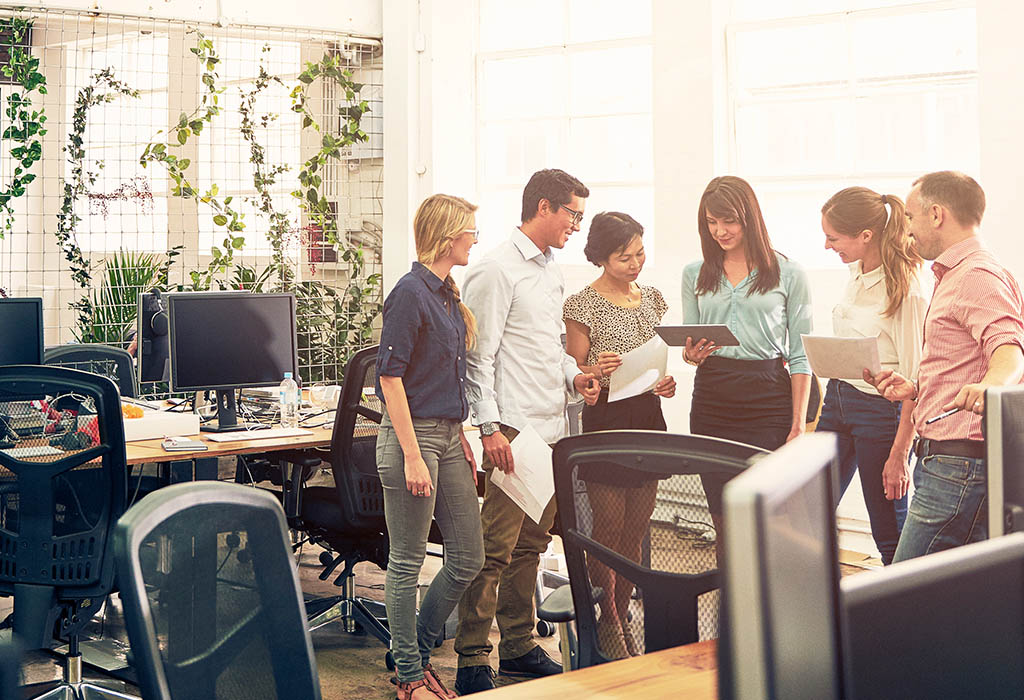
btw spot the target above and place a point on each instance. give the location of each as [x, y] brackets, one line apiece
[767, 325]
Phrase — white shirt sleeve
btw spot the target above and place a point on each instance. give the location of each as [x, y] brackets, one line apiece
[488, 293]
[908, 333]
[570, 369]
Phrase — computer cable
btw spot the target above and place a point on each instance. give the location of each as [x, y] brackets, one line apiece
[78, 502]
[138, 483]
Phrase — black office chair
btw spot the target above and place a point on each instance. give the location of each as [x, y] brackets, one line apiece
[348, 518]
[62, 487]
[675, 600]
[211, 596]
[104, 360]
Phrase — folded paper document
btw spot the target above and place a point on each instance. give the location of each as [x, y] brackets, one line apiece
[532, 483]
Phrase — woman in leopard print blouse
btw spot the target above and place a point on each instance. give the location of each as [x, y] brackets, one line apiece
[609, 317]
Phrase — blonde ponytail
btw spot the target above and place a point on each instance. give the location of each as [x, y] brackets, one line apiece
[857, 209]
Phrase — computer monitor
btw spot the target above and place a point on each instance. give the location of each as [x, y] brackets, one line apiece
[946, 625]
[21, 342]
[153, 348]
[1004, 458]
[229, 340]
[781, 576]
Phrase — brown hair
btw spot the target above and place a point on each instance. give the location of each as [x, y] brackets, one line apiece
[959, 193]
[857, 209]
[730, 196]
[439, 219]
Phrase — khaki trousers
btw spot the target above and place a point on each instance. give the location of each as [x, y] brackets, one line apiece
[505, 587]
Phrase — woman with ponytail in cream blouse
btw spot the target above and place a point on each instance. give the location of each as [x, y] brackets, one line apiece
[883, 299]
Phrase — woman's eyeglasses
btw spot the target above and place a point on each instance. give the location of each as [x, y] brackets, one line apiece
[475, 232]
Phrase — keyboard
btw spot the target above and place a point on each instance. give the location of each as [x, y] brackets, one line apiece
[270, 433]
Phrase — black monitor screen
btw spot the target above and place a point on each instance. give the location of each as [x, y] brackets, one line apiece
[21, 337]
[223, 340]
[947, 625]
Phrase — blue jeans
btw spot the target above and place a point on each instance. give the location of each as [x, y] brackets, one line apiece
[453, 503]
[948, 508]
[866, 427]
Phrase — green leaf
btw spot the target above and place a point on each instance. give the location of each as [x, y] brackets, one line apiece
[238, 243]
[183, 136]
[311, 195]
[220, 220]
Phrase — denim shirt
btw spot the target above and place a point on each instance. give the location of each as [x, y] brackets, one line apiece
[423, 341]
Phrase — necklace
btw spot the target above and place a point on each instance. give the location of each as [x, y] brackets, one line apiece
[617, 297]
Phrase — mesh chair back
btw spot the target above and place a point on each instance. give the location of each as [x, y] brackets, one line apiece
[641, 545]
[354, 443]
[104, 360]
[211, 596]
[62, 486]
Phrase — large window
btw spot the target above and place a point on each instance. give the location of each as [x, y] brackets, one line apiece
[564, 84]
[873, 93]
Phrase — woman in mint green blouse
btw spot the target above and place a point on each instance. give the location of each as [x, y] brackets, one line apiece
[756, 392]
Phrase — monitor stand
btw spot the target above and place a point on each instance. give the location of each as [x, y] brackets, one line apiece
[227, 414]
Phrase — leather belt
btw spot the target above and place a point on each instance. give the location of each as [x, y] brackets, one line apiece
[974, 449]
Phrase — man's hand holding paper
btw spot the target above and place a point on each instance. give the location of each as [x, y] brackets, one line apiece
[532, 484]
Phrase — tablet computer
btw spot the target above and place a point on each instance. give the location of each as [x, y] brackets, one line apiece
[677, 335]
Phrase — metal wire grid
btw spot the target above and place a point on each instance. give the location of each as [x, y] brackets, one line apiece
[127, 217]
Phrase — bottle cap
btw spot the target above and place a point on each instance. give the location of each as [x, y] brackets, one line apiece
[287, 375]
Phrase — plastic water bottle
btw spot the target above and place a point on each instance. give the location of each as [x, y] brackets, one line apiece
[288, 392]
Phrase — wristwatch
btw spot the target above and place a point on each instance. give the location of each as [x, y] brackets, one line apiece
[489, 428]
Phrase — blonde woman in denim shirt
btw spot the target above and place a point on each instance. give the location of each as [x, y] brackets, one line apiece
[425, 463]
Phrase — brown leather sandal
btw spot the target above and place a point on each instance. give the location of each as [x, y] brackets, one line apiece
[405, 690]
[439, 688]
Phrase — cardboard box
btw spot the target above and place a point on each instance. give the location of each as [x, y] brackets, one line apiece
[160, 424]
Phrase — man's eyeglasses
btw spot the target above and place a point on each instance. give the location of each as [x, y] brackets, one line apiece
[577, 216]
[475, 233]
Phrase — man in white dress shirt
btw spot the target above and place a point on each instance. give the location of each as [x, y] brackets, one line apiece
[517, 375]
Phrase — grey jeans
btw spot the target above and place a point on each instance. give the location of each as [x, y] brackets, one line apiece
[453, 504]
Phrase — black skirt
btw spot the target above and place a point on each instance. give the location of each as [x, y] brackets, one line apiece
[749, 401]
[641, 412]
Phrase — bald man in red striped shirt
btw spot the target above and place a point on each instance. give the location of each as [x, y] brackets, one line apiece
[973, 339]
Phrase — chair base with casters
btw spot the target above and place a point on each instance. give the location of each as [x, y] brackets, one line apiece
[355, 612]
[73, 687]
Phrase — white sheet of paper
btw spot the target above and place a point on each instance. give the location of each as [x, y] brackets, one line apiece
[841, 358]
[532, 484]
[641, 369]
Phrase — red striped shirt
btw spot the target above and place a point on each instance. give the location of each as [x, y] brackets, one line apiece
[976, 307]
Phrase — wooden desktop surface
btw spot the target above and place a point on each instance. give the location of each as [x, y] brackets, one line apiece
[688, 672]
[146, 451]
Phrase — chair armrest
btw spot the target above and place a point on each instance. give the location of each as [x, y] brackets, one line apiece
[300, 458]
[558, 607]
